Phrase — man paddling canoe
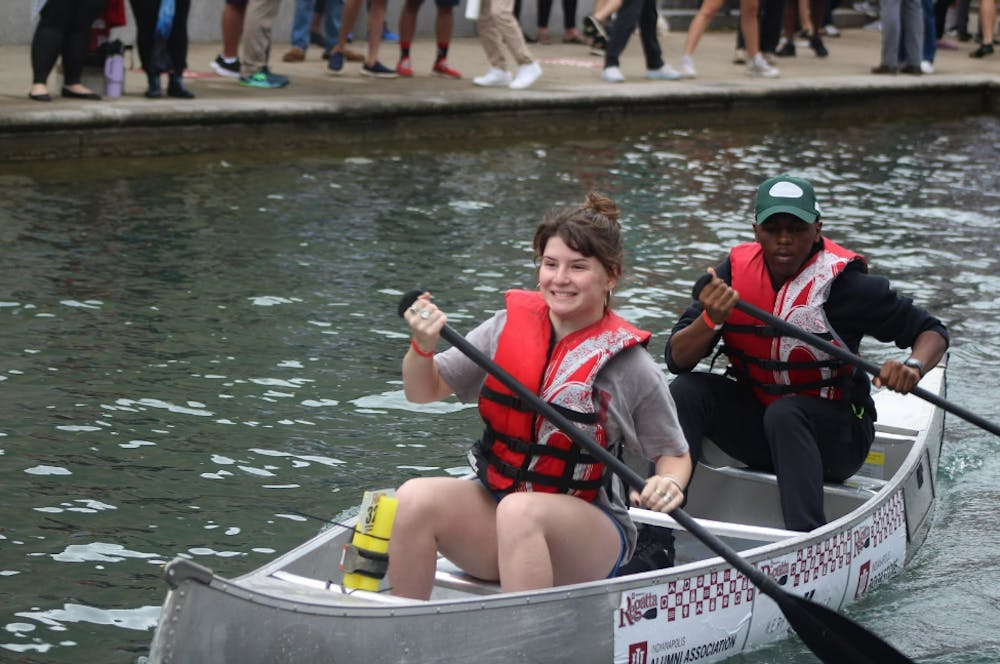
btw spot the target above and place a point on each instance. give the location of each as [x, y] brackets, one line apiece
[783, 406]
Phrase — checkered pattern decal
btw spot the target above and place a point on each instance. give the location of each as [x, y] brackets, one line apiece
[706, 593]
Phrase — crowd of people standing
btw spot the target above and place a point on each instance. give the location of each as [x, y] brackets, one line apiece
[768, 30]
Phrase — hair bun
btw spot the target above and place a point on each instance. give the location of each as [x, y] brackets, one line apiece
[602, 205]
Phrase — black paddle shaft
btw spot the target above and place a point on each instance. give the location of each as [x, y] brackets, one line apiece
[832, 637]
[842, 354]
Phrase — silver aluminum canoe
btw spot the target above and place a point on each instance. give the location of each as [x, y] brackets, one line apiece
[294, 609]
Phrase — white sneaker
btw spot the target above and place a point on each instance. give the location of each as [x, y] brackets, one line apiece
[686, 68]
[612, 75]
[526, 75]
[830, 30]
[866, 8]
[758, 67]
[740, 56]
[494, 78]
[662, 28]
[664, 73]
[926, 67]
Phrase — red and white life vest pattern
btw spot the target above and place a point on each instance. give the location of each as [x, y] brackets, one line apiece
[520, 449]
[777, 365]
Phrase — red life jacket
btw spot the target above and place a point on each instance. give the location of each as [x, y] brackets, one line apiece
[521, 450]
[777, 365]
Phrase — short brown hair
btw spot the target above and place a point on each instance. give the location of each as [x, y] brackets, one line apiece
[591, 229]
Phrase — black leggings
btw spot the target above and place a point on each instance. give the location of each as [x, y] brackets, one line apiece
[545, 11]
[569, 13]
[146, 13]
[631, 13]
[63, 29]
[803, 440]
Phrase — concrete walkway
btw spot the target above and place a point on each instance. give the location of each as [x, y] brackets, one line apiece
[349, 109]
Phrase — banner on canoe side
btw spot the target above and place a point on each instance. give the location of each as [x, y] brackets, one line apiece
[702, 618]
[712, 616]
[878, 548]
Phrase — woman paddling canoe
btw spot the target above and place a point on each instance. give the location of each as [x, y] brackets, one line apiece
[544, 512]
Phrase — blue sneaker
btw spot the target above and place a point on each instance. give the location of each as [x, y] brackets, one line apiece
[264, 80]
[336, 64]
[388, 35]
[379, 70]
[275, 77]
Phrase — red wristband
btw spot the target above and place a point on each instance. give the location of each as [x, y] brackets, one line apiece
[416, 349]
[708, 321]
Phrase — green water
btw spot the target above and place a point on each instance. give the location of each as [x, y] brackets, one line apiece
[196, 351]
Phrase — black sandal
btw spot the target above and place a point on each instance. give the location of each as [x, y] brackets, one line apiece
[982, 51]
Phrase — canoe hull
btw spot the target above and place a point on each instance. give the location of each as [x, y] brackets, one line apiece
[702, 611]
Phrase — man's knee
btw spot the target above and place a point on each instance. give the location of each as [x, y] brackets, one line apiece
[685, 386]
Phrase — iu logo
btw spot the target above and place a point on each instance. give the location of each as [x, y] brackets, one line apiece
[864, 573]
[637, 653]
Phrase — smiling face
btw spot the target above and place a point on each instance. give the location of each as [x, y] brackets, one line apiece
[575, 287]
[787, 242]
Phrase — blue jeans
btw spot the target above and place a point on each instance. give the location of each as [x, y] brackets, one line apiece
[302, 18]
[930, 31]
[930, 35]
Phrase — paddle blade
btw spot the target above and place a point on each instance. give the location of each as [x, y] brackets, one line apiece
[834, 638]
[408, 299]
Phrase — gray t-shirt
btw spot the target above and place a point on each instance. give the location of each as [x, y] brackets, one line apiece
[641, 413]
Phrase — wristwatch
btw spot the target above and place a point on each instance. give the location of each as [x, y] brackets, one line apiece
[916, 364]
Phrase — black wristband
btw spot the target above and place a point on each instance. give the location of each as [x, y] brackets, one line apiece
[916, 364]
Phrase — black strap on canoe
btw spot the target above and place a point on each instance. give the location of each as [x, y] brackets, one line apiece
[361, 561]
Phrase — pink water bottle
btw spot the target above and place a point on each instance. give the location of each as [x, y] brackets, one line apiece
[114, 75]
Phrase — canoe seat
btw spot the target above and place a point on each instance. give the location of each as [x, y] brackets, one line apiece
[858, 485]
[448, 575]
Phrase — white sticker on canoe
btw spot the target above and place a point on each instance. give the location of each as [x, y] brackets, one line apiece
[878, 547]
[702, 618]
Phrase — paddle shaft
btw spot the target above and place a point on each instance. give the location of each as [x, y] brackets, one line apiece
[790, 330]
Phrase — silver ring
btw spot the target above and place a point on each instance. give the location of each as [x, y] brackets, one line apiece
[424, 314]
[666, 497]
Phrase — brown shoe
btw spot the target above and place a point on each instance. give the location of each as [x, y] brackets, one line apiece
[884, 69]
[353, 56]
[912, 70]
[295, 54]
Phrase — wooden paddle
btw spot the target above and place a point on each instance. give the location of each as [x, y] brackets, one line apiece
[832, 637]
[843, 354]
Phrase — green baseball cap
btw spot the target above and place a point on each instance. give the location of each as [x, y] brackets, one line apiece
[786, 194]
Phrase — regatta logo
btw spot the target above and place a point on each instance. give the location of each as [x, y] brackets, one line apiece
[862, 538]
[777, 571]
[638, 607]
